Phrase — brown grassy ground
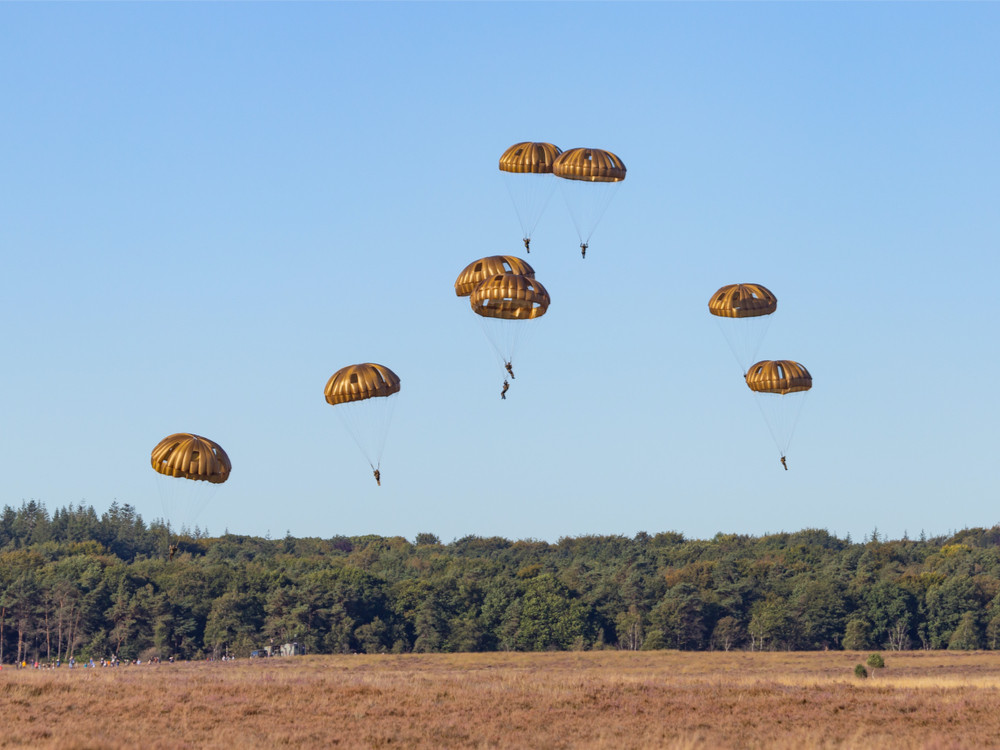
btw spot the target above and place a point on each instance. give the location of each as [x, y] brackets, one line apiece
[605, 699]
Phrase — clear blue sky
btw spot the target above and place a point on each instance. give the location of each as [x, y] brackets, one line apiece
[207, 209]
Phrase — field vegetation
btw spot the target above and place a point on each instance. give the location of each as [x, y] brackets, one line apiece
[597, 699]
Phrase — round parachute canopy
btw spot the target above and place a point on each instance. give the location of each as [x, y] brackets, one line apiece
[589, 165]
[188, 456]
[742, 301]
[360, 382]
[478, 271]
[529, 158]
[780, 376]
[510, 296]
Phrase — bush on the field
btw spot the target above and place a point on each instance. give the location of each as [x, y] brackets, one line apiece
[876, 661]
[860, 671]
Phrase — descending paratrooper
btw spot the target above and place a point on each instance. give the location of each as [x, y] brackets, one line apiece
[363, 396]
[527, 171]
[589, 180]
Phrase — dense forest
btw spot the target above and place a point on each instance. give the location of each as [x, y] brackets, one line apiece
[76, 584]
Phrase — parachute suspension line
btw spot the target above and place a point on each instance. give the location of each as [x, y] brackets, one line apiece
[183, 501]
[781, 415]
[752, 336]
[367, 422]
[530, 194]
[490, 334]
[608, 190]
[587, 203]
[733, 347]
[506, 337]
[491, 329]
[795, 420]
[744, 337]
[387, 412]
[767, 421]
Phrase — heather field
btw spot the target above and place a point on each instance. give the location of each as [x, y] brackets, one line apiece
[602, 699]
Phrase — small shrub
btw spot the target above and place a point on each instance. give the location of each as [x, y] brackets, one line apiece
[860, 671]
[876, 661]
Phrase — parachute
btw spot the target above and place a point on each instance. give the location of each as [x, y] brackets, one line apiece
[510, 296]
[743, 313]
[780, 387]
[188, 456]
[362, 395]
[527, 171]
[201, 463]
[504, 303]
[589, 180]
[478, 271]
[779, 376]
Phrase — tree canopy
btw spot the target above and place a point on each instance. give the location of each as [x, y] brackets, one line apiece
[75, 583]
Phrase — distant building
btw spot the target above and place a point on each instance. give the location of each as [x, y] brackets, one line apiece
[285, 649]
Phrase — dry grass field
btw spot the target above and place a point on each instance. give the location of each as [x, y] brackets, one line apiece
[605, 699]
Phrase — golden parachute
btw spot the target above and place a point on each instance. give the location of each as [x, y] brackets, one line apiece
[503, 304]
[362, 395]
[780, 387]
[589, 180]
[589, 165]
[510, 296]
[360, 382]
[188, 456]
[779, 376]
[742, 312]
[185, 455]
[529, 158]
[742, 301]
[527, 171]
[478, 271]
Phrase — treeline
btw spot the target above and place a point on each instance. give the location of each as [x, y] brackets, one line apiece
[77, 584]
